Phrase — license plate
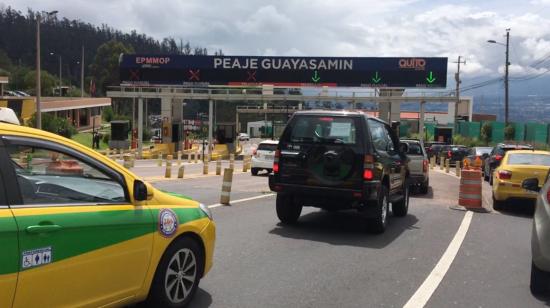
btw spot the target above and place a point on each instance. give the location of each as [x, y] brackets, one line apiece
[529, 192]
[269, 157]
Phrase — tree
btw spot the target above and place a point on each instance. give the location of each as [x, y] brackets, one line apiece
[486, 132]
[105, 64]
[53, 124]
[509, 132]
[47, 82]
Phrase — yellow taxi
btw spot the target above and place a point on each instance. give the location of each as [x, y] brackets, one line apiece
[517, 166]
[77, 229]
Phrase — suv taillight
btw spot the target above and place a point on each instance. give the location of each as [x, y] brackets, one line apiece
[449, 154]
[276, 161]
[548, 196]
[368, 167]
[425, 164]
[504, 174]
[254, 152]
[498, 157]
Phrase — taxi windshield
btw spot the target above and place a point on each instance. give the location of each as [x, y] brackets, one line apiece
[529, 159]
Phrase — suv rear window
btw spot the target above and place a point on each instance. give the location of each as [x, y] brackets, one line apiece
[267, 147]
[414, 149]
[324, 129]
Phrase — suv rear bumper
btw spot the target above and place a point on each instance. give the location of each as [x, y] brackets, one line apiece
[417, 179]
[343, 197]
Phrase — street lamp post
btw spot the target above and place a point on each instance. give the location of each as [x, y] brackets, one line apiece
[60, 80]
[507, 64]
[38, 109]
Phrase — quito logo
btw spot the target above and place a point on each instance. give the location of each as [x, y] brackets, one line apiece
[413, 63]
[152, 60]
[168, 222]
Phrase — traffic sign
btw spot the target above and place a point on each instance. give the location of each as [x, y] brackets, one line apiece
[402, 72]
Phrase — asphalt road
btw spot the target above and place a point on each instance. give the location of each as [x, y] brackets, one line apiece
[328, 260]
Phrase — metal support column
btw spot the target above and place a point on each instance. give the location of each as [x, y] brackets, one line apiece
[140, 127]
[421, 128]
[210, 123]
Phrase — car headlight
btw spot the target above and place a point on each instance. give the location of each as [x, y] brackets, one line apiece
[206, 211]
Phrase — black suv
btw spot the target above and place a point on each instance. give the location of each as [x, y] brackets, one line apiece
[339, 160]
[495, 158]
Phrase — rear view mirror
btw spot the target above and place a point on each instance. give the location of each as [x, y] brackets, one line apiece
[142, 191]
[531, 184]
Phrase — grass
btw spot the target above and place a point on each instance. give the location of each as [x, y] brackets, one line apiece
[86, 139]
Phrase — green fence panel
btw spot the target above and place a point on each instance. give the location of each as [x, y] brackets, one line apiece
[519, 132]
[430, 128]
[404, 130]
[536, 133]
[497, 134]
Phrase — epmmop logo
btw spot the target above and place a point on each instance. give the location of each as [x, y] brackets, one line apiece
[152, 60]
[418, 64]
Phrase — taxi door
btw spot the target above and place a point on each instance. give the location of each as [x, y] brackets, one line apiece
[9, 257]
[81, 241]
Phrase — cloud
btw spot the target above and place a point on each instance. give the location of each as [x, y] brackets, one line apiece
[264, 21]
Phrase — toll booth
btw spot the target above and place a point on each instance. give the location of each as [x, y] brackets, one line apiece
[119, 135]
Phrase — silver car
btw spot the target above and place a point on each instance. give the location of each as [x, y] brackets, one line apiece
[540, 239]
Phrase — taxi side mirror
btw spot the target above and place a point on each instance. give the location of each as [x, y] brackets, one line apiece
[142, 191]
[531, 184]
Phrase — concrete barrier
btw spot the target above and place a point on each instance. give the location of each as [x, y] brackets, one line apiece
[226, 186]
[168, 172]
[447, 165]
[196, 157]
[232, 161]
[127, 158]
[181, 172]
[219, 167]
[470, 189]
[159, 159]
[432, 162]
[441, 162]
[245, 164]
[188, 158]
[179, 158]
[457, 168]
[205, 168]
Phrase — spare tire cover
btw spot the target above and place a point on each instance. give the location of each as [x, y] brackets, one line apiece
[330, 166]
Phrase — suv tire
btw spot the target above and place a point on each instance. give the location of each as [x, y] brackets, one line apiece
[378, 223]
[287, 210]
[401, 208]
[254, 171]
[424, 187]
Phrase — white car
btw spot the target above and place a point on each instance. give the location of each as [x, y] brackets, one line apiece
[263, 156]
[243, 137]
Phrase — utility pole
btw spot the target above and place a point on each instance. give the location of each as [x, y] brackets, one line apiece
[60, 82]
[82, 73]
[38, 109]
[457, 79]
[506, 78]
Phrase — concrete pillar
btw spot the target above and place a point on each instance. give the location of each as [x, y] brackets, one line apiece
[395, 111]
[166, 113]
[384, 111]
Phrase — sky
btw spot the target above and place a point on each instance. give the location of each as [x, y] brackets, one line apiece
[362, 28]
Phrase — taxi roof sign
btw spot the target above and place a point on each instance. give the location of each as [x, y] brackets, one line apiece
[7, 115]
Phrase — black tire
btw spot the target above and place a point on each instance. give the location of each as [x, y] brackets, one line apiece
[485, 176]
[378, 223]
[424, 187]
[491, 179]
[288, 211]
[539, 280]
[254, 171]
[401, 208]
[158, 296]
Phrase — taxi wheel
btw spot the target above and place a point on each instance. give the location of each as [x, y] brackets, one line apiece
[378, 223]
[497, 205]
[288, 210]
[178, 274]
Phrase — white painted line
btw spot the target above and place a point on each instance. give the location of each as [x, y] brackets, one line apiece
[242, 200]
[428, 287]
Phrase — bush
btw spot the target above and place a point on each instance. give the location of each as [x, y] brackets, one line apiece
[147, 134]
[509, 132]
[50, 123]
[106, 138]
[486, 132]
[108, 114]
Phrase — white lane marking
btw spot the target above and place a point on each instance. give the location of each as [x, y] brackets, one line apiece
[428, 287]
[242, 200]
